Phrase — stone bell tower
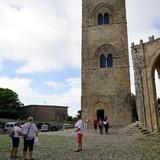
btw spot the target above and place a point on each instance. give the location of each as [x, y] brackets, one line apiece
[105, 62]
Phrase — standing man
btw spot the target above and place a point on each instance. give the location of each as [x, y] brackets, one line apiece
[79, 129]
[30, 130]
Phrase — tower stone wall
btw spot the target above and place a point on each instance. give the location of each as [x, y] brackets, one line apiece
[105, 89]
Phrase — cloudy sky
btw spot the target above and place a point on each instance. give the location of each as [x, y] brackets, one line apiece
[40, 47]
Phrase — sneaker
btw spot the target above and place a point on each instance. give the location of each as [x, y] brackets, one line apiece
[16, 157]
[77, 150]
[11, 157]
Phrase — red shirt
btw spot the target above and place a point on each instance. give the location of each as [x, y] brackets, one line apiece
[95, 121]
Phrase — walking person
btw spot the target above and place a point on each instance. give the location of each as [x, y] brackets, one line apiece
[30, 130]
[86, 124]
[100, 125]
[106, 124]
[95, 123]
[79, 129]
[15, 140]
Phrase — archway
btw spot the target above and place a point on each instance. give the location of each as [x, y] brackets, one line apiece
[100, 114]
[157, 84]
[154, 91]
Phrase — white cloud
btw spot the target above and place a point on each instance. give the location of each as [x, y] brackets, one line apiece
[143, 19]
[41, 35]
[1, 63]
[71, 97]
[55, 85]
[19, 85]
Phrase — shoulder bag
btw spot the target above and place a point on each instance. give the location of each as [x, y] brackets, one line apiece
[25, 136]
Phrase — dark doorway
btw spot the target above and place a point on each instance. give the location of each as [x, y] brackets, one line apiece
[100, 114]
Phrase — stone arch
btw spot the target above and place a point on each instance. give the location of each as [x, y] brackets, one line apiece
[153, 61]
[101, 106]
[155, 58]
[102, 8]
[106, 49]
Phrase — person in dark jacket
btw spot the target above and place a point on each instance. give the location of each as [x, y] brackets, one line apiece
[106, 124]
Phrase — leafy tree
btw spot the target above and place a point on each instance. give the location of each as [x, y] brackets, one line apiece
[134, 107]
[9, 103]
[69, 118]
[9, 99]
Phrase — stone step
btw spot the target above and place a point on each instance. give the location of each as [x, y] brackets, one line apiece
[131, 129]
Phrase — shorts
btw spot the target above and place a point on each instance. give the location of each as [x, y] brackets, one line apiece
[15, 141]
[79, 138]
[28, 144]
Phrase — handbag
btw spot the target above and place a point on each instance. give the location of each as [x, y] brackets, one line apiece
[36, 141]
[25, 135]
[11, 134]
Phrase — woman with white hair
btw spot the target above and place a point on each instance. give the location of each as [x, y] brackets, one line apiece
[30, 130]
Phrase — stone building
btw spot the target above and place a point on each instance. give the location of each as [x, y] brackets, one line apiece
[146, 59]
[105, 64]
[44, 112]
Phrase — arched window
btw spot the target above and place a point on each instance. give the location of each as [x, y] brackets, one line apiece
[106, 18]
[100, 19]
[102, 61]
[109, 61]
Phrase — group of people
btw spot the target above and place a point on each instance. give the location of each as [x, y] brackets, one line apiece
[101, 123]
[28, 131]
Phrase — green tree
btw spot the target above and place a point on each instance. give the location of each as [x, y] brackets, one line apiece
[9, 103]
[69, 118]
[134, 107]
[9, 99]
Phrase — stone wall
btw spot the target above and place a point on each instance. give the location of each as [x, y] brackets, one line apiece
[44, 113]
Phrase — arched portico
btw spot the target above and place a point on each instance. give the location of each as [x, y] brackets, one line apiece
[146, 60]
[155, 65]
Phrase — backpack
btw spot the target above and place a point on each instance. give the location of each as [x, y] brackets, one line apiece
[100, 123]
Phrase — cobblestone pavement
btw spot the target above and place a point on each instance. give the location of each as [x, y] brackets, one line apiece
[115, 146]
[60, 145]
[113, 136]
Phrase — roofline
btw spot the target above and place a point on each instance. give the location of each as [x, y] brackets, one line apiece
[36, 105]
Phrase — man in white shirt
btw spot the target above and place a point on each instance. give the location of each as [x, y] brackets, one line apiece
[30, 130]
[79, 129]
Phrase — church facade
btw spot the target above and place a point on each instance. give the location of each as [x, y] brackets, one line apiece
[105, 62]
